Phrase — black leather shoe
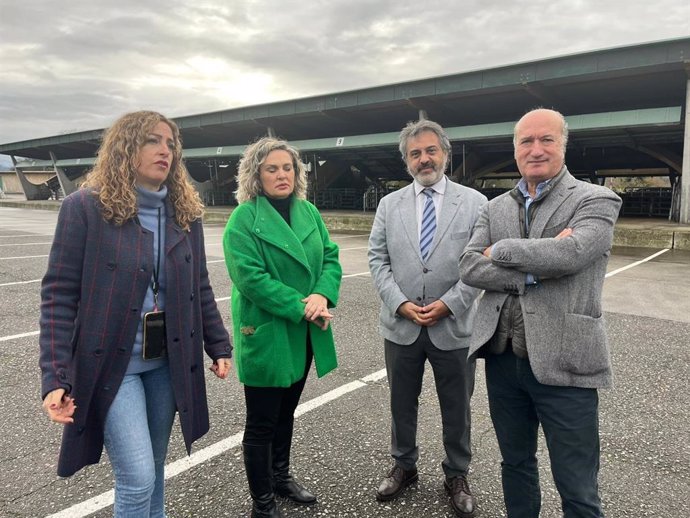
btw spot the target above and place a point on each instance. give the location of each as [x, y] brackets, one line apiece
[395, 483]
[461, 499]
[289, 488]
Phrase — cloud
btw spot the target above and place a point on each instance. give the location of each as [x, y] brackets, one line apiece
[78, 65]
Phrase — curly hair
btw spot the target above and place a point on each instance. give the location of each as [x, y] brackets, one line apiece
[248, 177]
[114, 174]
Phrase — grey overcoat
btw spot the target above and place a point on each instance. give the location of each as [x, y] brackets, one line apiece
[564, 326]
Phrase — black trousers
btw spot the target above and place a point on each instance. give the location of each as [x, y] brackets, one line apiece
[569, 417]
[271, 410]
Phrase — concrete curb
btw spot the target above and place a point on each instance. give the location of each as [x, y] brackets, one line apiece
[638, 232]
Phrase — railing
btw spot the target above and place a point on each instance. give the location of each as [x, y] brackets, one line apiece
[647, 201]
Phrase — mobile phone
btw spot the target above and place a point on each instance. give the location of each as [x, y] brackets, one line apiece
[154, 346]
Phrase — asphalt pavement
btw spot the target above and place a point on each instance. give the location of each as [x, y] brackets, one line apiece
[342, 437]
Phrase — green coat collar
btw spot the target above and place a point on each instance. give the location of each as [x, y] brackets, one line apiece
[270, 227]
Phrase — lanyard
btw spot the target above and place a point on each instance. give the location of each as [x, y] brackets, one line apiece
[156, 268]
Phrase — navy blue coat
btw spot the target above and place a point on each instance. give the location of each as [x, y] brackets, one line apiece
[91, 298]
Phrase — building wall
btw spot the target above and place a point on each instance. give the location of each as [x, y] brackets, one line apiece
[10, 183]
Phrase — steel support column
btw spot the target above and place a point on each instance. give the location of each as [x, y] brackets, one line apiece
[685, 177]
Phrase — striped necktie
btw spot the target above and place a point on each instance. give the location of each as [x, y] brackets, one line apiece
[428, 224]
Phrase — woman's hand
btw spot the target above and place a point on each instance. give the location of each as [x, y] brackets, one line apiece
[316, 306]
[221, 367]
[316, 310]
[59, 406]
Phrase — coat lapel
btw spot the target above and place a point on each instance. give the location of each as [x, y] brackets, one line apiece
[270, 227]
[173, 233]
[449, 209]
[407, 209]
[550, 204]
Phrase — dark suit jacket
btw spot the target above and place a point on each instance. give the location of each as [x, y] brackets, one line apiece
[91, 299]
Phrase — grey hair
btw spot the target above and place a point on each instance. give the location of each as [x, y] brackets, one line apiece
[415, 128]
[248, 176]
[564, 126]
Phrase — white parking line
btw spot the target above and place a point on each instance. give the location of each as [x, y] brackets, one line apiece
[106, 499]
[348, 236]
[19, 282]
[27, 244]
[636, 263]
[354, 248]
[22, 257]
[356, 275]
[13, 337]
[175, 468]
[26, 235]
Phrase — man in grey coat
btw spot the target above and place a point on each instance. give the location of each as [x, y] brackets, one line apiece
[418, 235]
[540, 253]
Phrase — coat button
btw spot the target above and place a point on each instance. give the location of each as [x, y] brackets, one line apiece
[192, 333]
[193, 368]
[419, 299]
[110, 266]
[134, 310]
[98, 352]
[176, 339]
[188, 258]
[191, 297]
[498, 308]
[106, 388]
[425, 270]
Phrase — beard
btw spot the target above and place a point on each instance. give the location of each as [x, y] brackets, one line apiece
[429, 178]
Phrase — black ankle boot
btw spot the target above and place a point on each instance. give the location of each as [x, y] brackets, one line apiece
[283, 482]
[257, 464]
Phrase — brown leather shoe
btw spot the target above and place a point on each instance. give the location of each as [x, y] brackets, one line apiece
[461, 499]
[395, 483]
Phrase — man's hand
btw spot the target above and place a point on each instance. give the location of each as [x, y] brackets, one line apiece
[566, 232]
[432, 313]
[424, 316]
[487, 252]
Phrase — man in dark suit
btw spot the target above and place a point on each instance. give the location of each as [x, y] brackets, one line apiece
[427, 313]
[540, 252]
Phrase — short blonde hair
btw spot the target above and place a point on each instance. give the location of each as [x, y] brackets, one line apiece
[248, 176]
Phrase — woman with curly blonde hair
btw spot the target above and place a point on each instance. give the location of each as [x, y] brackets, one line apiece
[285, 275]
[127, 311]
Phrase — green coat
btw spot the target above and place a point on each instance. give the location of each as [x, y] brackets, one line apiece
[274, 266]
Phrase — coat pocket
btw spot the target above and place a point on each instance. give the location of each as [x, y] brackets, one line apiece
[583, 346]
[257, 346]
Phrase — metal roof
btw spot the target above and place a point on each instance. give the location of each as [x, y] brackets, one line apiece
[629, 80]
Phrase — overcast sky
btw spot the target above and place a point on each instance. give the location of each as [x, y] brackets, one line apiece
[70, 65]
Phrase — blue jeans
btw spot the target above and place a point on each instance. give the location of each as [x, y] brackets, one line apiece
[137, 432]
[518, 404]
